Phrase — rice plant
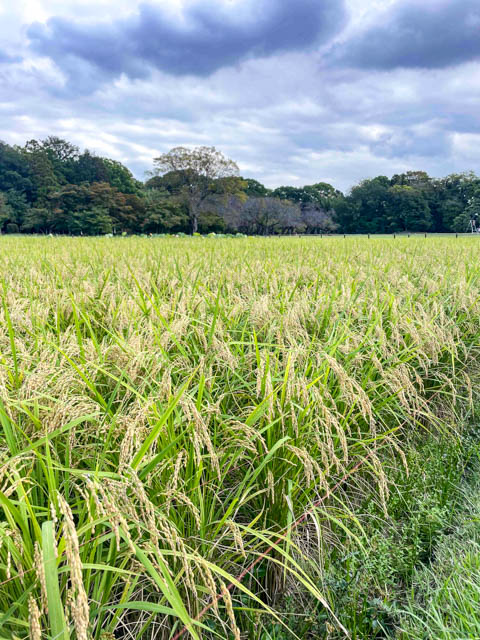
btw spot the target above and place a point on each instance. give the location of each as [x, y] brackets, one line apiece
[190, 427]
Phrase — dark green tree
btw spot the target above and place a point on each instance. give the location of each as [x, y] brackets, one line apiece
[92, 221]
[163, 214]
[364, 209]
[454, 193]
[90, 168]
[44, 179]
[407, 210]
[462, 223]
[17, 200]
[37, 220]
[6, 214]
[15, 172]
[63, 155]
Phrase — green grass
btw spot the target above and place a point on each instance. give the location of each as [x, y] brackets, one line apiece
[172, 408]
[444, 596]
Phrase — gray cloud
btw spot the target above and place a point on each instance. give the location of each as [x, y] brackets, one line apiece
[287, 115]
[208, 36]
[417, 34]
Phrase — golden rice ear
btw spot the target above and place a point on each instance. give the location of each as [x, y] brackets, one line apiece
[40, 571]
[35, 628]
[208, 581]
[227, 598]
[79, 608]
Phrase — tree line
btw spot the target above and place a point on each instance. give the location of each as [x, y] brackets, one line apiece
[49, 186]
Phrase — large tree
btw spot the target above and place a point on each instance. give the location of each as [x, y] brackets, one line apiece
[44, 178]
[197, 174]
[365, 207]
[407, 210]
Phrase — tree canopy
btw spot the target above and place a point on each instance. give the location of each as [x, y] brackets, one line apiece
[198, 173]
[51, 186]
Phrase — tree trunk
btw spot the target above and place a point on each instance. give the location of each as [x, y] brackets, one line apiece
[193, 214]
[194, 223]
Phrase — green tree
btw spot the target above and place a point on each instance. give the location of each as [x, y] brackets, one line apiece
[454, 192]
[18, 203]
[255, 189]
[92, 221]
[44, 179]
[210, 221]
[15, 172]
[6, 213]
[462, 223]
[90, 168]
[127, 212]
[63, 155]
[60, 150]
[321, 194]
[470, 214]
[294, 194]
[407, 210]
[163, 213]
[37, 220]
[365, 207]
[317, 206]
[118, 176]
[170, 182]
[415, 179]
[197, 171]
[64, 204]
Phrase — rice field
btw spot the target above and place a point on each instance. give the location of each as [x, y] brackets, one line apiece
[194, 430]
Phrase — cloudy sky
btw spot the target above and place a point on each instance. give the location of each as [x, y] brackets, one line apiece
[296, 91]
